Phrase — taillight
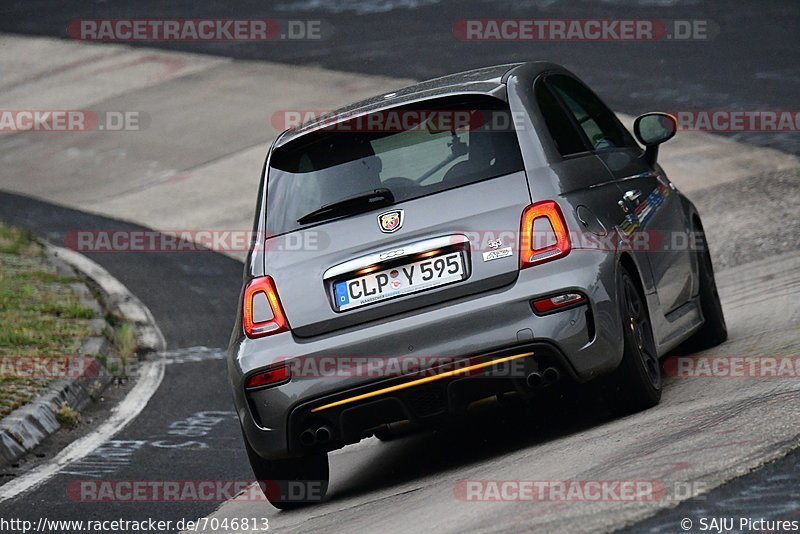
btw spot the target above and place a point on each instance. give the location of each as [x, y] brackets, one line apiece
[263, 314]
[557, 303]
[544, 234]
[270, 377]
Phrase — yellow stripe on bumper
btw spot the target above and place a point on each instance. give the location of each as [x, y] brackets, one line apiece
[420, 381]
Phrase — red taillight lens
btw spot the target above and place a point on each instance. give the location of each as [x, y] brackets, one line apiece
[544, 234]
[270, 377]
[559, 302]
[263, 314]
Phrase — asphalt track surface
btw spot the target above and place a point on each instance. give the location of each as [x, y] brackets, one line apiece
[193, 295]
[750, 61]
[191, 387]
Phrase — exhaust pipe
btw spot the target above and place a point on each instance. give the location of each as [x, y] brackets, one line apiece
[307, 437]
[313, 436]
[551, 375]
[323, 434]
[534, 380]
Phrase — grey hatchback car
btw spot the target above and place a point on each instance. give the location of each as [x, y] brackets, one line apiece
[482, 235]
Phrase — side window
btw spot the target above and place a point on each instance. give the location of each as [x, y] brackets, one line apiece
[566, 138]
[599, 123]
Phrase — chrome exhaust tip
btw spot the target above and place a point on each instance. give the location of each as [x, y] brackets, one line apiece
[534, 380]
[308, 438]
[551, 375]
[323, 434]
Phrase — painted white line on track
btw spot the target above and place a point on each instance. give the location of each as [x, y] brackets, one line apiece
[150, 375]
[192, 355]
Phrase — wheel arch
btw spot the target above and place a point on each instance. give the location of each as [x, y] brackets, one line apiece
[626, 261]
[695, 223]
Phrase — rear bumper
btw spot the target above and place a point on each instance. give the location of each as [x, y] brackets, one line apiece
[583, 341]
[422, 400]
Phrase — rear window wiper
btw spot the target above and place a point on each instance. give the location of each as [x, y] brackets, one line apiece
[350, 205]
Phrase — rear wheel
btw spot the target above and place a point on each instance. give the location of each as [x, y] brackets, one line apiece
[636, 383]
[714, 330]
[291, 482]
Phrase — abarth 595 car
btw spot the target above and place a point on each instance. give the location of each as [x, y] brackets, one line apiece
[486, 233]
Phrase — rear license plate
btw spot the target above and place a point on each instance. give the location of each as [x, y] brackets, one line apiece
[397, 281]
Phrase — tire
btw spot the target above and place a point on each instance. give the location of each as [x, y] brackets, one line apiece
[714, 330]
[292, 482]
[636, 384]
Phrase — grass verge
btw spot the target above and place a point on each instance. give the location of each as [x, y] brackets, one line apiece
[41, 319]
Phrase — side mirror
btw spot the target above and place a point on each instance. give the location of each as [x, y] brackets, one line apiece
[652, 129]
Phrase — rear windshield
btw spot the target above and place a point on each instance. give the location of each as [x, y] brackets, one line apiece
[412, 151]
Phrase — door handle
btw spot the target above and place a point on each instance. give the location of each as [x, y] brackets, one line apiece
[632, 195]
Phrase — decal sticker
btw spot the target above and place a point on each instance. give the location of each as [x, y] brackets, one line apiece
[497, 254]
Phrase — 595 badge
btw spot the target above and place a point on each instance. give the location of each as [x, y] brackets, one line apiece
[498, 252]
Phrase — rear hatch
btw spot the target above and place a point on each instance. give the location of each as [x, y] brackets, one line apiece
[382, 214]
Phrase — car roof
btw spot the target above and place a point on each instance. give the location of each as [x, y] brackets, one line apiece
[483, 81]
